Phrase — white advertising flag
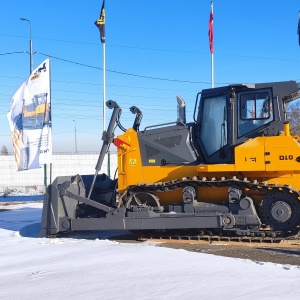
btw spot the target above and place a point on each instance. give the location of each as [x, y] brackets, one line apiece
[30, 120]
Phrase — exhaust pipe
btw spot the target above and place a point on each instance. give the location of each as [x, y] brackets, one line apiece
[181, 118]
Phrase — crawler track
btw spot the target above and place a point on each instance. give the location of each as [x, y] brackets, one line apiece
[265, 235]
[213, 183]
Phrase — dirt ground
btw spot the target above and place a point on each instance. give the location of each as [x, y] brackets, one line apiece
[289, 256]
[275, 253]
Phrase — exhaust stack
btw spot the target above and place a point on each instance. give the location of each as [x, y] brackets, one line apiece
[181, 118]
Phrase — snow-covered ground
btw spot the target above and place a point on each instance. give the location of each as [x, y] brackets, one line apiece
[79, 268]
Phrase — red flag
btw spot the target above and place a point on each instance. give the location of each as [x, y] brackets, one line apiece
[211, 32]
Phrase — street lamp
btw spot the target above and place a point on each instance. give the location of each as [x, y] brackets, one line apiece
[75, 138]
[30, 45]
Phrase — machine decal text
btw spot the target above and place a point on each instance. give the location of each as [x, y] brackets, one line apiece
[286, 157]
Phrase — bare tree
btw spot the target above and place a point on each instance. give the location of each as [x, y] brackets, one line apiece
[293, 116]
[4, 151]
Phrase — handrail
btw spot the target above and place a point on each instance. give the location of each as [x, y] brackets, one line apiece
[196, 102]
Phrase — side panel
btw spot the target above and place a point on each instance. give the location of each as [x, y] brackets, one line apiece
[169, 145]
[283, 154]
[250, 156]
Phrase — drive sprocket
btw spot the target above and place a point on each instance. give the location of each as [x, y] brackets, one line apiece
[280, 211]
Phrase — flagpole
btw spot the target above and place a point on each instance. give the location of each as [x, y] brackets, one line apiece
[212, 53]
[100, 23]
[104, 85]
[298, 31]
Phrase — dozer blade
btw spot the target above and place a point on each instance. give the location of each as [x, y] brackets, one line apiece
[66, 199]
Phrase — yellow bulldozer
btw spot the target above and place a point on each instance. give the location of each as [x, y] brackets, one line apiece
[233, 170]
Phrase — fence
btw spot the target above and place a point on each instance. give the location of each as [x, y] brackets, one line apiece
[33, 181]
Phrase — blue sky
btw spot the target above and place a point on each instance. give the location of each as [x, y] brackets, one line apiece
[255, 41]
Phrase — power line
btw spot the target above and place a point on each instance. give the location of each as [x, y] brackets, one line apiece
[155, 49]
[138, 75]
[121, 73]
[47, 39]
[125, 73]
[66, 101]
[9, 53]
[99, 133]
[98, 84]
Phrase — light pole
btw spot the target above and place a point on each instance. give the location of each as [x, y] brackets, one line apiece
[75, 138]
[30, 45]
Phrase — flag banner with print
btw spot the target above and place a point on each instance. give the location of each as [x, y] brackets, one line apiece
[100, 23]
[29, 119]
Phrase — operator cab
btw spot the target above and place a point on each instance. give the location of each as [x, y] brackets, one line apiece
[228, 116]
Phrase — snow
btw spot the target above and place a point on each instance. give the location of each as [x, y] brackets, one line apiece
[86, 267]
[22, 191]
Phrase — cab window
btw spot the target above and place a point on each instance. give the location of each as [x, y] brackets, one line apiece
[255, 110]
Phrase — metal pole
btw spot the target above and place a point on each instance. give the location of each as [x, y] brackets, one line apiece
[104, 86]
[212, 54]
[30, 44]
[104, 99]
[75, 137]
[45, 176]
[31, 56]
